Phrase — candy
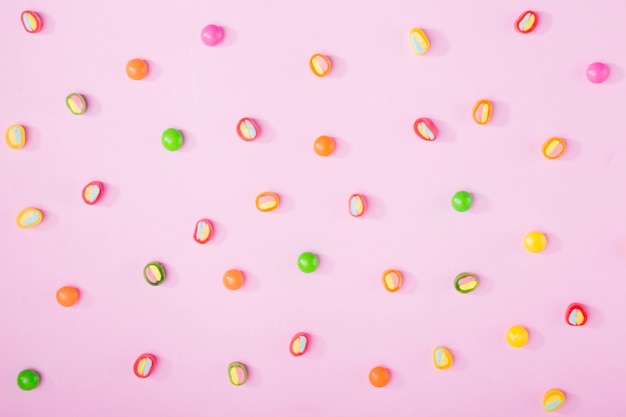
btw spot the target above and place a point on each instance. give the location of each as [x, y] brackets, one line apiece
[92, 192]
[144, 365]
[308, 262]
[233, 279]
[320, 65]
[462, 201]
[324, 146]
[425, 129]
[482, 112]
[597, 72]
[203, 231]
[29, 217]
[154, 273]
[465, 282]
[172, 139]
[553, 399]
[247, 129]
[576, 315]
[212, 35]
[517, 336]
[419, 41]
[136, 69]
[299, 344]
[267, 201]
[31, 21]
[535, 242]
[379, 376]
[356, 205]
[237, 373]
[442, 357]
[76, 103]
[392, 280]
[554, 148]
[526, 22]
[16, 136]
[67, 296]
[28, 379]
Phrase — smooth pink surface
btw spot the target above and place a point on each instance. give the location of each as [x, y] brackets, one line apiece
[369, 102]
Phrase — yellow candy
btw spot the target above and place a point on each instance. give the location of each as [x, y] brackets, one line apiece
[443, 358]
[16, 136]
[517, 336]
[29, 217]
[553, 400]
[419, 41]
[535, 242]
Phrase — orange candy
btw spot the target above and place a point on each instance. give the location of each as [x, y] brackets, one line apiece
[67, 296]
[324, 146]
[136, 69]
[380, 376]
[233, 279]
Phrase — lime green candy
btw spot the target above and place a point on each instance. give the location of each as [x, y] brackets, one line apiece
[28, 379]
[307, 262]
[172, 139]
[462, 201]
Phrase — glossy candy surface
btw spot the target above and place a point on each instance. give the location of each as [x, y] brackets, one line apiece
[356, 205]
[442, 358]
[237, 373]
[465, 282]
[144, 365]
[425, 129]
[320, 65]
[154, 273]
[597, 72]
[28, 379]
[137, 69]
[247, 129]
[392, 280]
[419, 41]
[31, 21]
[92, 192]
[535, 242]
[16, 136]
[172, 139]
[324, 146]
[554, 148]
[29, 217]
[517, 336]
[233, 279]
[576, 315]
[212, 35]
[526, 22]
[308, 262]
[379, 376]
[267, 201]
[203, 231]
[299, 344]
[76, 103]
[553, 400]
[482, 112]
[462, 201]
[67, 296]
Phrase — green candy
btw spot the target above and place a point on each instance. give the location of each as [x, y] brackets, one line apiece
[462, 201]
[307, 262]
[28, 379]
[172, 139]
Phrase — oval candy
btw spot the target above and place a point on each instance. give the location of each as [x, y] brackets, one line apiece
[203, 231]
[237, 373]
[16, 136]
[267, 201]
[526, 22]
[554, 148]
[144, 365]
[31, 21]
[76, 103]
[443, 358]
[553, 400]
[576, 315]
[299, 344]
[419, 41]
[425, 129]
[320, 65]
[466, 282]
[92, 192]
[357, 205]
[482, 112]
[247, 129]
[29, 217]
[154, 273]
[392, 280]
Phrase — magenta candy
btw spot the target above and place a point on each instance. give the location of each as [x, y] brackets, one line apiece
[597, 72]
[212, 35]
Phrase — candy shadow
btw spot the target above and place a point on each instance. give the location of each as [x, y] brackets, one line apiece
[555, 245]
[33, 139]
[445, 133]
[536, 340]
[439, 44]
[572, 150]
[338, 69]
[316, 349]
[342, 149]
[595, 317]
[154, 71]
[615, 74]
[190, 143]
[85, 298]
[230, 37]
[409, 283]
[376, 208]
[171, 276]
[255, 378]
[326, 266]
[163, 367]
[398, 380]
[267, 132]
[93, 106]
[480, 205]
[49, 222]
[544, 24]
[572, 402]
[110, 195]
[501, 114]
[459, 362]
[251, 282]
[286, 204]
[47, 23]
[219, 233]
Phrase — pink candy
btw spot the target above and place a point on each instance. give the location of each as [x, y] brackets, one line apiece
[597, 72]
[212, 35]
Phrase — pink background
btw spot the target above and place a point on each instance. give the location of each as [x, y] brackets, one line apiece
[377, 88]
